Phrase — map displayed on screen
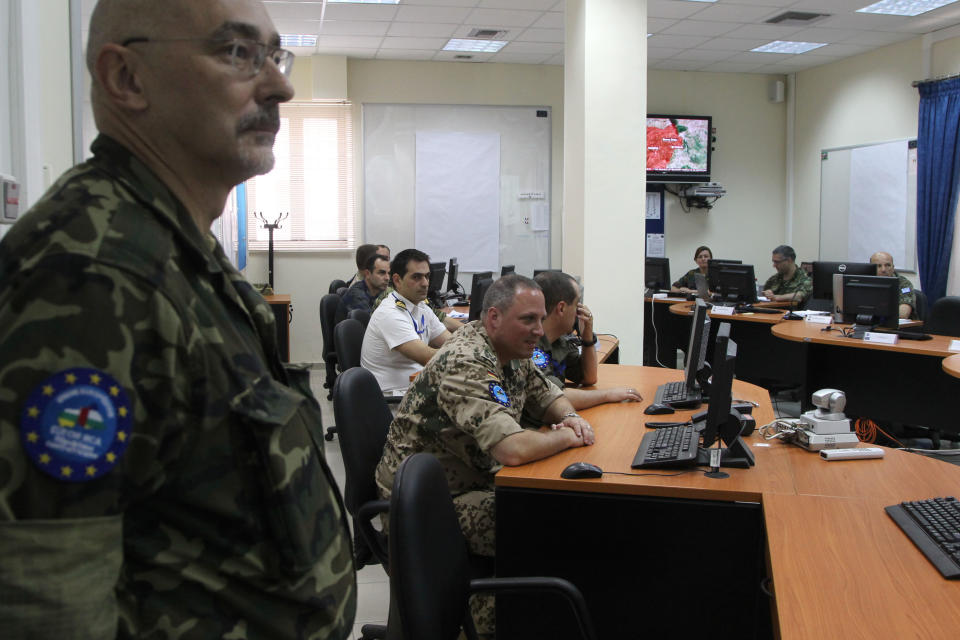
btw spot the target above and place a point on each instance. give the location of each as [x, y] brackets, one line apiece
[677, 144]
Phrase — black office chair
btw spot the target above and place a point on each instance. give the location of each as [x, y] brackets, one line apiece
[363, 420]
[922, 308]
[944, 317]
[335, 285]
[430, 567]
[347, 341]
[328, 311]
[360, 315]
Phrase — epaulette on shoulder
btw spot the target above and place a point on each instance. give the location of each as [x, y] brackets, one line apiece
[401, 304]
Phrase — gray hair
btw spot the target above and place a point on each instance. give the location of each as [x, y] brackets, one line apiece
[502, 292]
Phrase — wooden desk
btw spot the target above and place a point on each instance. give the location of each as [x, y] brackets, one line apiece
[840, 568]
[951, 364]
[892, 383]
[282, 309]
[608, 348]
[661, 336]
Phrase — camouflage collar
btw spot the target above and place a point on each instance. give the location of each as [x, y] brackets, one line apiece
[112, 157]
[477, 325]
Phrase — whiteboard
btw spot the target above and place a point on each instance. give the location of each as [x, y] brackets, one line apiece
[516, 221]
[868, 202]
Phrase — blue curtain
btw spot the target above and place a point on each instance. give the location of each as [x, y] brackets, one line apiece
[938, 170]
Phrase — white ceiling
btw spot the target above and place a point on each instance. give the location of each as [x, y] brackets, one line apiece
[687, 35]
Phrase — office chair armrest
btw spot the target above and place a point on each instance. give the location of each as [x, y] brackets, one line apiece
[364, 522]
[558, 586]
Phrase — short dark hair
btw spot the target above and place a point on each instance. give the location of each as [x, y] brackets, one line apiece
[557, 286]
[400, 261]
[786, 251]
[502, 292]
[702, 247]
[372, 262]
[383, 246]
[364, 252]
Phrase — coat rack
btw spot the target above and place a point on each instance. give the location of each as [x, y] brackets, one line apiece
[270, 226]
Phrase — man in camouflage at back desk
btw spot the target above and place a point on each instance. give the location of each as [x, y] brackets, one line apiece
[159, 475]
[790, 283]
[465, 408]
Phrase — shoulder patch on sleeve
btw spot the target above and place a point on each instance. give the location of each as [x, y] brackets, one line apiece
[539, 358]
[75, 425]
[498, 394]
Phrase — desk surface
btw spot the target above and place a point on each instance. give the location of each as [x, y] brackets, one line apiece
[686, 309]
[810, 332]
[951, 365]
[841, 568]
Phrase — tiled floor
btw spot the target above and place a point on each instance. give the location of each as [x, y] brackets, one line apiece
[373, 587]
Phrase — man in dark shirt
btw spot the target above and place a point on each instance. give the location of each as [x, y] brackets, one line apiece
[361, 295]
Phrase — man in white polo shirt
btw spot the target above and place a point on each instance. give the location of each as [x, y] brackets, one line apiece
[403, 333]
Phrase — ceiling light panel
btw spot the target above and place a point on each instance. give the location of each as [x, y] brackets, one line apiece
[786, 46]
[467, 44]
[904, 7]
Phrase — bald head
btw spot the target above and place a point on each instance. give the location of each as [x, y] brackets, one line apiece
[884, 262]
[114, 21]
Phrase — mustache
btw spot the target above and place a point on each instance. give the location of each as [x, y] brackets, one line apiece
[267, 118]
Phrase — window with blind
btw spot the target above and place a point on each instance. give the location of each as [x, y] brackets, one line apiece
[312, 181]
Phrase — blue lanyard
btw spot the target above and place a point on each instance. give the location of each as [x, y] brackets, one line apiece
[423, 319]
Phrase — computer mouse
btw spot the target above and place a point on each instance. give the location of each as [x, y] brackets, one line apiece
[581, 470]
[656, 409]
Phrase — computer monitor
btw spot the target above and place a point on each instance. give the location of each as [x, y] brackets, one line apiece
[697, 346]
[475, 281]
[656, 273]
[712, 264]
[477, 294]
[736, 283]
[507, 269]
[722, 421]
[453, 287]
[866, 300]
[824, 271]
[437, 272]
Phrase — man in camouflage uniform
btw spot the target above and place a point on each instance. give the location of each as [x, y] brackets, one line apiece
[790, 283]
[908, 298]
[562, 356]
[465, 408]
[159, 475]
[361, 295]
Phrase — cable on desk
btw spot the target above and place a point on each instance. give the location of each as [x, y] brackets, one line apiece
[662, 475]
[867, 431]
[656, 338]
[781, 429]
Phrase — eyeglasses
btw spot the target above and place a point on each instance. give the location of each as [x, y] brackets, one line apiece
[780, 261]
[246, 56]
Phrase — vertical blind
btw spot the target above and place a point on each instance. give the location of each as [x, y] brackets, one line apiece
[312, 181]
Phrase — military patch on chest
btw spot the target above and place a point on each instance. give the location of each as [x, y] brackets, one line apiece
[498, 394]
[75, 425]
[539, 358]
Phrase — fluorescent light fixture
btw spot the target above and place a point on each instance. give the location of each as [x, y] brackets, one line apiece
[468, 44]
[786, 46]
[297, 40]
[366, 1]
[701, 0]
[904, 7]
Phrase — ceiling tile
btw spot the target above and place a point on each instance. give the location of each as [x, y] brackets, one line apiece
[454, 15]
[293, 10]
[305, 27]
[422, 29]
[391, 42]
[666, 40]
[732, 67]
[768, 31]
[733, 44]
[345, 28]
[878, 38]
[350, 52]
[405, 54]
[656, 25]
[706, 56]
[520, 58]
[542, 35]
[550, 20]
[672, 9]
[678, 65]
[663, 52]
[737, 13]
[533, 5]
[353, 42]
[555, 60]
[700, 28]
[502, 17]
[360, 12]
[450, 56]
[547, 48]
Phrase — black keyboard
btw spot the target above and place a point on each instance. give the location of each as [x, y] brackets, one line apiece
[906, 335]
[934, 526]
[677, 395]
[668, 447]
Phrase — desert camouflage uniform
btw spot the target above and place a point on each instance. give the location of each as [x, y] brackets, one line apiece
[907, 295]
[561, 360]
[221, 519]
[800, 283]
[460, 406]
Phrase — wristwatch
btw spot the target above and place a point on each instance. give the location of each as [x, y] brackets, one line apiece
[584, 343]
[571, 414]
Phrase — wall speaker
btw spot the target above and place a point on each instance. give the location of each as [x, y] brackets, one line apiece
[775, 91]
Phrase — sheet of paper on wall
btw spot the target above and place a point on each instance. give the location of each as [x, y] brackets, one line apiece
[541, 216]
[653, 206]
[656, 245]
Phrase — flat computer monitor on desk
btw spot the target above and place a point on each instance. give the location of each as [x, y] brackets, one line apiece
[477, 294]
[656, 274]
[507, 269]
[453, 287]
[735, 283]
[475, 282]
[690, 394]
[723, 422]
[437, 271]
[824, 271]
[866, 302]
[712, 265]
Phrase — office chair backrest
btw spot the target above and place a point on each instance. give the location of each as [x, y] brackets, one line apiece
[429, 567]
[335, 285]
[328, 311]
[922, 308]
[944, 317]
[347, 341]
[360, 315]
[363, 419]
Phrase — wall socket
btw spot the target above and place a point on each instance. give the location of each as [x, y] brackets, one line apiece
[10, 201]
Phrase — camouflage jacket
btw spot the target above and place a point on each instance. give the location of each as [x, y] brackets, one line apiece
[356, 297]
[689, 279]
[800, 283]
[460, 406]
[907, 295]
[158, 476]
[559, 361]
